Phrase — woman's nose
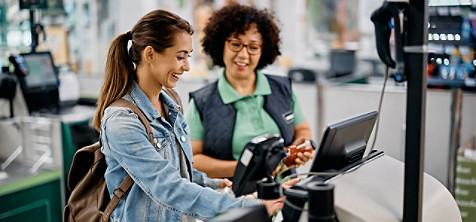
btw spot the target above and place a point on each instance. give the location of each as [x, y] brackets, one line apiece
[244, 52]
[186, 65]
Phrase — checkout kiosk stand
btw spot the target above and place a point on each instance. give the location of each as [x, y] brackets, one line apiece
[364, 188]
[374, 192]
[30, 189]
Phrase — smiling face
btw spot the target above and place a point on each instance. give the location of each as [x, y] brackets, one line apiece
[242, 64]
[167, 67]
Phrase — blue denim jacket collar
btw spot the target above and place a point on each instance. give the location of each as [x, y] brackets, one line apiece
[141, 100]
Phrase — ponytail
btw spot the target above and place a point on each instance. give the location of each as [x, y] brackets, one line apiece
[118, 77]
[157, 29]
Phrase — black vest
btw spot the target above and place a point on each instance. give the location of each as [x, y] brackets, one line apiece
[218, 119]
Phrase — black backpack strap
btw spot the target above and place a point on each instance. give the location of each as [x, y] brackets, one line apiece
[127, 183]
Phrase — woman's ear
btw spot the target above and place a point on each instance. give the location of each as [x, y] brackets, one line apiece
[148, 54]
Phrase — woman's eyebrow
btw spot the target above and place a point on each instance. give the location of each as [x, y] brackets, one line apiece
[184, 51]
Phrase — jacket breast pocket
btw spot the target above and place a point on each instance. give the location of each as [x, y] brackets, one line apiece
[161, 145]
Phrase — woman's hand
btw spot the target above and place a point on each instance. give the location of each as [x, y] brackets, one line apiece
[303, 157]
[225, 183]
[299, 140]
[273, 205]
[276, 204]
[299, 154]
[288, 184]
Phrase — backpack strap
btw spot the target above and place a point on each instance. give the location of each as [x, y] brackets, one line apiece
[117, 196]
[127, 183]
[174, 95]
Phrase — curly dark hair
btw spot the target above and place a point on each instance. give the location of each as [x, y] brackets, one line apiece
[236, 19]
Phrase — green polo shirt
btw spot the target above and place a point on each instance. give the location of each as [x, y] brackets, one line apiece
[251, 118]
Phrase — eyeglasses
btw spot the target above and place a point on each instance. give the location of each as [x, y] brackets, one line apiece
[236, 46]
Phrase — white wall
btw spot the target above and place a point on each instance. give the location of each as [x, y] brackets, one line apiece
[292, 17]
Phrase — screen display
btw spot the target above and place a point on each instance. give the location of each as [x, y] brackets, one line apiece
[344, 142]
[40, 70]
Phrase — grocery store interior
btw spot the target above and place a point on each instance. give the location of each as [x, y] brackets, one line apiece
[332, 52]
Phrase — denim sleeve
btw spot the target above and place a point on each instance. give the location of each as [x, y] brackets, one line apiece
[203, 180]
[125, 136]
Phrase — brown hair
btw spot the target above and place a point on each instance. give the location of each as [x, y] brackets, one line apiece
[156, 29]
[236, 19]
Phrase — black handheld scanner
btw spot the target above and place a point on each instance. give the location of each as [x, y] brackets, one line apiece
[383, 27]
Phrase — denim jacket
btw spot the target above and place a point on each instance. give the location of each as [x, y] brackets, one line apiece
[159, 193]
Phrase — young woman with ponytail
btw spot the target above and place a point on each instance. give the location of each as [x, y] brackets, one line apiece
[166, 187]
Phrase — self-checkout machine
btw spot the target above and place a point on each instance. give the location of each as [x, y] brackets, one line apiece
[40, 129]
[385, 189]
[343, 184]
[379, 187]
[30, 155]
[45, 130]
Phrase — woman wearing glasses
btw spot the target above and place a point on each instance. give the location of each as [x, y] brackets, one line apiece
[244, 103]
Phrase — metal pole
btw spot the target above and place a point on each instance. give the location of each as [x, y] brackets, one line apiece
[455, 129]
[34, 34]
[416, 34]
[320, 107]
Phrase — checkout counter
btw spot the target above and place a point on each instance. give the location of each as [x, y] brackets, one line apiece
[364, 187]
[35, 190]
[374, 192]
[30, 197]
[38, 143]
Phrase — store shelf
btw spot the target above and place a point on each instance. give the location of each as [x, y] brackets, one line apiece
[451, 83]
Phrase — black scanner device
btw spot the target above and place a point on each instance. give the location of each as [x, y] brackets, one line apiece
[382, 18]
[256, 163]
